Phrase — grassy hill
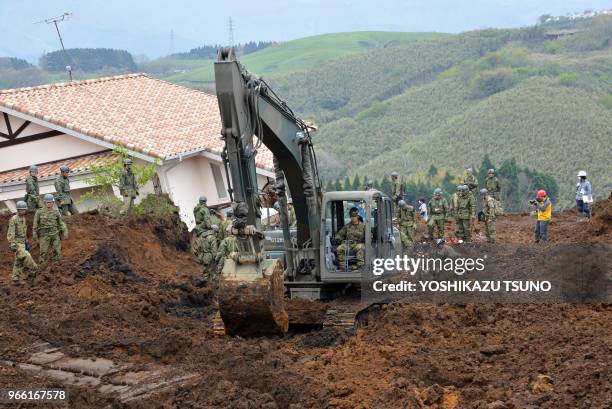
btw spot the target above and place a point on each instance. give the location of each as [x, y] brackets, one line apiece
[299, 55]
[548, 103]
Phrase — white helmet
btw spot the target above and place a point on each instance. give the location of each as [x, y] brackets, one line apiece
[582, 173]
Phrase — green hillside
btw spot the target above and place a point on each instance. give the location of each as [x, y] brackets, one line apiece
[301, 54]
[547, 103]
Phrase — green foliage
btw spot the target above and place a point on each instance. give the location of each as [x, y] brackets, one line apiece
[606, 101]
[108, 203]
[10, 63]
[357, 185]
[377, 110]
[491, 82]
[483, 171]
[568, 78]
[88, 59]
[157, 206]
[108, 174]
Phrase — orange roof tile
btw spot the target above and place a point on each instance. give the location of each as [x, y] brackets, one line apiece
[77, 165]
[136, 111]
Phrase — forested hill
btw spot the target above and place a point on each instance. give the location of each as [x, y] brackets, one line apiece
[535, 94]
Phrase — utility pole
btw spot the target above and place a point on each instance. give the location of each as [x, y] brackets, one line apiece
[231, 32]
[56, 20]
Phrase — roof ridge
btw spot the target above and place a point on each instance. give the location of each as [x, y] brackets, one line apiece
[74, 83]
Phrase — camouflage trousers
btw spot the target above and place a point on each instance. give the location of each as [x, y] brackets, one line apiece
[437, 224]
[128, 203]
[23, 258]
[358, 249]
[407, 234]
[33, 204]
[68, 209]
[464, 229]
[52, 242]
[490, 230]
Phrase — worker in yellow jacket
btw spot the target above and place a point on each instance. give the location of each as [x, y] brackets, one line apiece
[543, 209]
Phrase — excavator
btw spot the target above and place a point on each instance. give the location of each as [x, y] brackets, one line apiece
[256, 282]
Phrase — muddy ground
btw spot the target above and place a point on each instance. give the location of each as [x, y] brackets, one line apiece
[129, 292]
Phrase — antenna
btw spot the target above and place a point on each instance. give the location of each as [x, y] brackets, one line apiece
[56, 20]
[231, 32]
[171, 41]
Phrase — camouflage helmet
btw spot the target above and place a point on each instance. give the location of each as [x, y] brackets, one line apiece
[127, 161]
[212, 211]
[289, 200]
[33, 168]
[21, 205]
[459, 188]
[203, 199]
[64, 168]
[229, 212]
[401, 204]
[276, 206]
[483, 191]
[469, 170]
[491, 170]
[465, 188]
[48, 198]
[394, 174]
[437, 191]
[214, 227]
[369, 183]
[439, 241]
[354, 211]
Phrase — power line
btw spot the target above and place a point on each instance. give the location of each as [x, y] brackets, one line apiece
[56, 20]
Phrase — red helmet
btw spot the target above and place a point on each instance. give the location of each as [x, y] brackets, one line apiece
[541, 193]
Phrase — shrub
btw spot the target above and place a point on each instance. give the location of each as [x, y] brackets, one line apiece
[491, 82]
[568, 78]
[606, 101]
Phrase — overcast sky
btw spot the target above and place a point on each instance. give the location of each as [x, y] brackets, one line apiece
[143, 26]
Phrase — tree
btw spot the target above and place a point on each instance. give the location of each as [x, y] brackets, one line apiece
[329, 186]
[386, 186]
[357, 183]
[509, 171]
[347, 184]
[484, 169]
[337, 185]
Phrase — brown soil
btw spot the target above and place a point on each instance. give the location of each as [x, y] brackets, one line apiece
[130, 291]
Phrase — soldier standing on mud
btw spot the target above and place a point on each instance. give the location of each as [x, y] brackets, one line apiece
[127, 187]
[48, 225]
[465, 213]
[471, 182]
[208, 253]
[488, 215]
[437, 210]
[351, 237]
[493, 185]
[65, 204]
[407, 223]
[17, 238]
[32, 190]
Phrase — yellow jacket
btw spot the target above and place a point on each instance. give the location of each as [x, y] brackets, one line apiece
[544, 210]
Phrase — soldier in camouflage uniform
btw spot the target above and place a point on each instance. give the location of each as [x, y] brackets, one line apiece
[471, 182]
[369, 185]
[208, 252]
[291, 213]
[214, 219]
[32, 191]
[407, 223]
[493, 185]
[202, 214]
[437, 210]
[488, 214]
[464, 213]
[127, 187]
[48, 225]
[351, 238]
[225, 225]
[397, 190]
[17, 238]
[65, 204]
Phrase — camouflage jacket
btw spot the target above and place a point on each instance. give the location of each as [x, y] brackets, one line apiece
[471, 182]
[406, 217]
[208, 248]
[17, 230]
[397, 190]
[492, 184]
[48, 222]
[466, 207]
[223, 233]
[127, 184]
[32, 187]
[62, 189]
[202, 216]
[490, 208]
[292, 218]
[437, 209]
[352, 232]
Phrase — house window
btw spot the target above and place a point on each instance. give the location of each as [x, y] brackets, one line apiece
[218, 176]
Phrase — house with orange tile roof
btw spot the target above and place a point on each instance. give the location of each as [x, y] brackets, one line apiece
[78, 124]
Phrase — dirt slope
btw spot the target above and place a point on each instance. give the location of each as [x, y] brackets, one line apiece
[129, 291]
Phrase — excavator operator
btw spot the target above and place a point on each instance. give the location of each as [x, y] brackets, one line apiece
[351, 239]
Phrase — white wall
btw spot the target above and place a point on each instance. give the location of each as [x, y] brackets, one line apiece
[43, 151]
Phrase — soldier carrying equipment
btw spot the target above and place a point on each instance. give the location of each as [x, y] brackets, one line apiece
[127, 187]
[16, 235]
[438, 212]
[32, 190]
[351, 238]
[65, 204]
[48, 225]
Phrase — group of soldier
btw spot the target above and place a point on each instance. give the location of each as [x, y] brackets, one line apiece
[462, 208]
[48, 227]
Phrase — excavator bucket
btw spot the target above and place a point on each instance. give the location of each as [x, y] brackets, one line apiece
[251, 299]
